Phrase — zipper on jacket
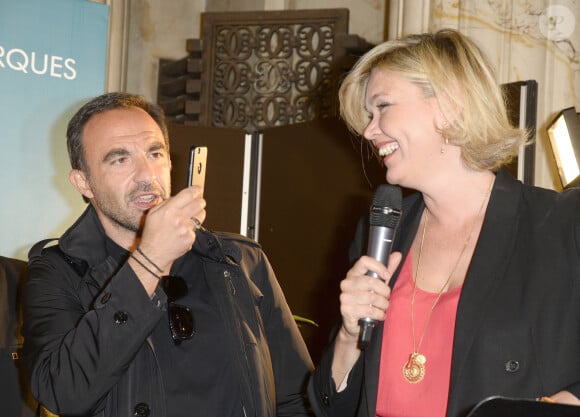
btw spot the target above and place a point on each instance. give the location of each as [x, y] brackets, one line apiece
[228, 276]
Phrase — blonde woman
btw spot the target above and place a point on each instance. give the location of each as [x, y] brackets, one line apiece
[481, 294]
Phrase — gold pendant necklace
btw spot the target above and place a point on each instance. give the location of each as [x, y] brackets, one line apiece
[414, 369]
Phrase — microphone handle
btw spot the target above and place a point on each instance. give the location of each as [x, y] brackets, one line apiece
[380, 244]
[367, 325]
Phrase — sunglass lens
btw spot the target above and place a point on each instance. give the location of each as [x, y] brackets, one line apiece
[175, 287]
[181, 322]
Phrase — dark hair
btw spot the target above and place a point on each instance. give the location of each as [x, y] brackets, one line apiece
[100, 104]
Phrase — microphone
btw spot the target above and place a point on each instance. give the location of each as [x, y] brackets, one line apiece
[384, 216]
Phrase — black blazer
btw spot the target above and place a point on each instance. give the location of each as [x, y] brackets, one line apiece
[517, 331]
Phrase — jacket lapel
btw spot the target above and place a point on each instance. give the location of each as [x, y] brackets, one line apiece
[487, 268]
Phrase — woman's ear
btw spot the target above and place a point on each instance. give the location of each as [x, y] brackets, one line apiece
[80, 181]
[441, 123]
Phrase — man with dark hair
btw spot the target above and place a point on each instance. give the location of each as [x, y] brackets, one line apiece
[140, 311]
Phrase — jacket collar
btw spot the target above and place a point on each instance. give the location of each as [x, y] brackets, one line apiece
[216, 246]
[504, 201]
[85, 240]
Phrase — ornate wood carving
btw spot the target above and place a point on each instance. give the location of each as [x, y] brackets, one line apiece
[264, 69]
[254, 70]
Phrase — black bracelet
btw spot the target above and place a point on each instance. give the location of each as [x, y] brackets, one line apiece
[145, 266]
[149, 260]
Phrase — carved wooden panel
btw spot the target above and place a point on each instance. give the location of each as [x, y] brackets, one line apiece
[271, 68]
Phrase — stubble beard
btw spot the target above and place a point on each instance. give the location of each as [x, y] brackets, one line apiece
[119, 214]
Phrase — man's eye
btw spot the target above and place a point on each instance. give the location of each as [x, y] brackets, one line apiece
[119, 161]
[158, 154]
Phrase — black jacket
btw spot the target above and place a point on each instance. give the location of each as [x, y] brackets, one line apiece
[15, 395]
[517, 332]
[87, 320]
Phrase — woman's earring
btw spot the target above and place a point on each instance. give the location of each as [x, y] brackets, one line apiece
[445, 142]
[444, 134]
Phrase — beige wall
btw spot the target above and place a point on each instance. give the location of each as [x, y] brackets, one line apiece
[158, 29]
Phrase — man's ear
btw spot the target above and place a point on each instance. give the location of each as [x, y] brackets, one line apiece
[80, 182]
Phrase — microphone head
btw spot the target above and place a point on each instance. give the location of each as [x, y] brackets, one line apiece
[386, 206]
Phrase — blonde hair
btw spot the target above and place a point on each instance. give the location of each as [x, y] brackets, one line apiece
[450, 67]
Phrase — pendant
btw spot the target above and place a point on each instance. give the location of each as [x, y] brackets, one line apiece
[414, 368]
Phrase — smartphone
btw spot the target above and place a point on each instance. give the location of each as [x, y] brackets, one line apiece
[197, 165]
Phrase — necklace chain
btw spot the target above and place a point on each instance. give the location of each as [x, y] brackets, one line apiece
[414, 368]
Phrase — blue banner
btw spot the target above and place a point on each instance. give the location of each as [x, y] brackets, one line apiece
[53, 57]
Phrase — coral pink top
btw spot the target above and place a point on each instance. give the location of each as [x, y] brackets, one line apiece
[396, 397]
